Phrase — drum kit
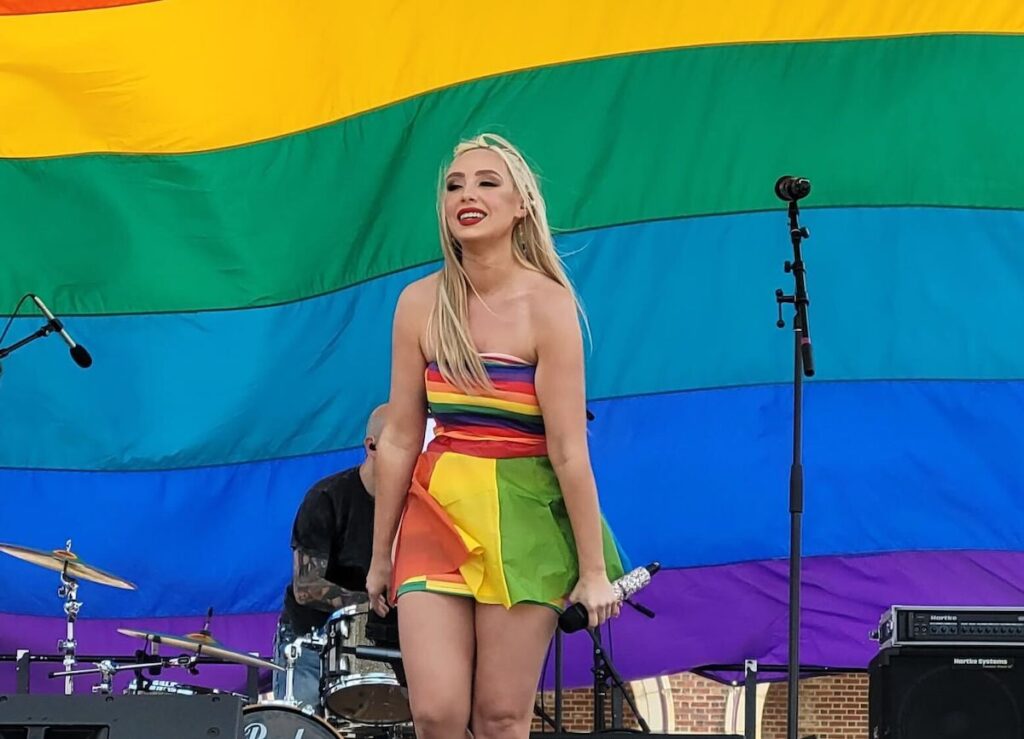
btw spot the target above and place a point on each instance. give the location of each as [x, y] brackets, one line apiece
[361, 693]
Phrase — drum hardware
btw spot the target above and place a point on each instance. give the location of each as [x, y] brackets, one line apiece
[106, 669]
[361, 691]
[348, 730]
[292, 653]
[318, 641]
[201, 643]
[360, 681]
[68, 590]
[376, 654]
[71, 569]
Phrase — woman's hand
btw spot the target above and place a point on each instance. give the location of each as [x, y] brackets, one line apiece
[378, 579]
[596, 594]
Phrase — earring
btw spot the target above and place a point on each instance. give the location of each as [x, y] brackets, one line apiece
[518, 233]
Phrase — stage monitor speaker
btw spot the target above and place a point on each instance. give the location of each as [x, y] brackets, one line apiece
[120, 717]
[946, 693]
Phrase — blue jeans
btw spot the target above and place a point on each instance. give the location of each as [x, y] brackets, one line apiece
[306, 682]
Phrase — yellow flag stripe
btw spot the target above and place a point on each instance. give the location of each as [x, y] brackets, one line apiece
[192, 75]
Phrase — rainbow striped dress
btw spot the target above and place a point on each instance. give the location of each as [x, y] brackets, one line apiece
[485, 517]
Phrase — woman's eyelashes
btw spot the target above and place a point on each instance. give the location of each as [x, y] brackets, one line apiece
[452, 186]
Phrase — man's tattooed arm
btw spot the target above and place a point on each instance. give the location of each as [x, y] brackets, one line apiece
[313, 590]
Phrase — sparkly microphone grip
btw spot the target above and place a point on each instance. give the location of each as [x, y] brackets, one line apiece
[575, 617]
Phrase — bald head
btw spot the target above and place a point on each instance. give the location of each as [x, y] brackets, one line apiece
[374, 427]
[375, 424]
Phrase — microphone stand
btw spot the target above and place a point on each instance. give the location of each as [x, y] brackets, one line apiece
[604, 670]
[803, 364]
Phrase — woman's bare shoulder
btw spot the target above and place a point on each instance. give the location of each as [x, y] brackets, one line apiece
[414, 307]
[420, 293]
[550, 301]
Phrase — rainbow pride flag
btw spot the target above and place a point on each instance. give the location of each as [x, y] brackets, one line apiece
[224, 199]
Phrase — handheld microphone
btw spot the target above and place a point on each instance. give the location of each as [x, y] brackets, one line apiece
[791, 188]
[78, 353]
[576, 617]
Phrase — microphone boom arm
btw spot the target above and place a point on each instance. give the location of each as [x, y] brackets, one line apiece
[53, 324]
[46, 330]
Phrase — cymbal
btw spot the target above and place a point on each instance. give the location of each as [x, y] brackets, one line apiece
[202, 643]
[76, 568]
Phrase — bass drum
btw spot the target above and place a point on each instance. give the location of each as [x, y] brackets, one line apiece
[283, 721]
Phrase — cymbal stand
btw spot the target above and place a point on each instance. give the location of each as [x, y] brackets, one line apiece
[292, 652]
[69, 592]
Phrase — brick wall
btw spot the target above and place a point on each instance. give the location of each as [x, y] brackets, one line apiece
[578, 711]
[699, 704]
[834, 707]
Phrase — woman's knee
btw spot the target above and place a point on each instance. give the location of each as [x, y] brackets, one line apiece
[497, 719]
[440, 719]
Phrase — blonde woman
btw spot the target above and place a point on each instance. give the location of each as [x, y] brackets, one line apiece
[497, 523]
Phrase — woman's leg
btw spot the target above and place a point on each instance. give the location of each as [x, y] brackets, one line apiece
[510, 644]
[437, 641]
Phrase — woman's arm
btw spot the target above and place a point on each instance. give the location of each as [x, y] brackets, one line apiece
[561, 392]
[402, 438]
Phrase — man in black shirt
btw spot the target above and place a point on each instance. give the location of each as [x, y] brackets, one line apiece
[332, 540]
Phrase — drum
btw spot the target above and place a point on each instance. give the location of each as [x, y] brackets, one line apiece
[282, 721]
[358, 690]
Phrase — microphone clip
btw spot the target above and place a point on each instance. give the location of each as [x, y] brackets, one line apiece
[639, 608]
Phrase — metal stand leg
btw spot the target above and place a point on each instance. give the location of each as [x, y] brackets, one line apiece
[22, 671]
[252, 683]
[558, 681]
[750, 699]
[292, 652]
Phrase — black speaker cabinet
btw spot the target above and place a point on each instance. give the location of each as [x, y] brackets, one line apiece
[946, 693]
[120, 717]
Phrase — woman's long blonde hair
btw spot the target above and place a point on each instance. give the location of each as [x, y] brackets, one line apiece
[532, 246]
